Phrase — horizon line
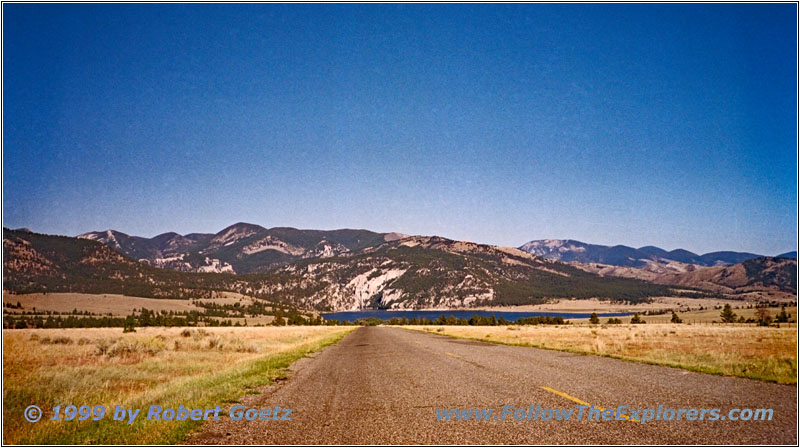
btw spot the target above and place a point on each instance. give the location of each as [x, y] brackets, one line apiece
[795, 249]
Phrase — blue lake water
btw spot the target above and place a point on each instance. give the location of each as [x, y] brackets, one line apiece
[351, 316]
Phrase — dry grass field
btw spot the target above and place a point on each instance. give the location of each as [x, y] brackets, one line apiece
[198, 367]
[746, 351]
[709, 316]
[680, 304]
[115, 304]
[120, 306]
[702, 317]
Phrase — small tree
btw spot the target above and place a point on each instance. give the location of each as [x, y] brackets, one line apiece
[636, 319]
[279, 322]
[614, 321]
[762, 317]
[727, 314]
[675, 319]
[130, 325]
[783, 316]
[593, 319]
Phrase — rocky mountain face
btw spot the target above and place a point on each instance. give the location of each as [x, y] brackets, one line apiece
[241, 248]
[162, 250]
[406, 273]
[433, 272]
[571, 250]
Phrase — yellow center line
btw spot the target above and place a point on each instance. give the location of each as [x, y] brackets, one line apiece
[579, 401]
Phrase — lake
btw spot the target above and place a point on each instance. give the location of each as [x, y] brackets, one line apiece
[351, 316]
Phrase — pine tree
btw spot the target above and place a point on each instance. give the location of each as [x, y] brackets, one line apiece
[783, 316]
[279, 318]
[593, 319]
[727, 314]
[675, 319]
[130, 325]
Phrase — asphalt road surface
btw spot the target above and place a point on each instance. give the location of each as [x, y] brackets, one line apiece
[382, 385]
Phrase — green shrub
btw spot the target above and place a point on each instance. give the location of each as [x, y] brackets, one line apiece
[57, 340]
[636, 319]
[128, 347]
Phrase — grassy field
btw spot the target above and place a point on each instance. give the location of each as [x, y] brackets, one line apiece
[746, 351]
[688, 309]
[119, 305]
[702, 317]
[115, 304]
[608, 306]
[198, 368]
[709, 316]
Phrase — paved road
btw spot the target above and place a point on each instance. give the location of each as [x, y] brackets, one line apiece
[381, 386]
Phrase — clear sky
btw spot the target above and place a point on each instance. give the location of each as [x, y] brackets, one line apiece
[669, 125]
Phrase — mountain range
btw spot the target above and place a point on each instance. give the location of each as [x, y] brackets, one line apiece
[404, 273]
[576, 251]
[248, 248]
[359, 269]
[241, 248]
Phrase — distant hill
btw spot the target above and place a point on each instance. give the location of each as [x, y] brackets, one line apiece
[792, 254]
[405, 273]
[757, 274]
[241, 248]
[34, 262]
[571, 250]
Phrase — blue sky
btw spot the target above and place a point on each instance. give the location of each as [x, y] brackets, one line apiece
[672, 125]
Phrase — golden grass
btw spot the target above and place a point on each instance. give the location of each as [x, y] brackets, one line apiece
[752, 352]
[158, 366]
[116, 304]
[608, 306]
[708, 316]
